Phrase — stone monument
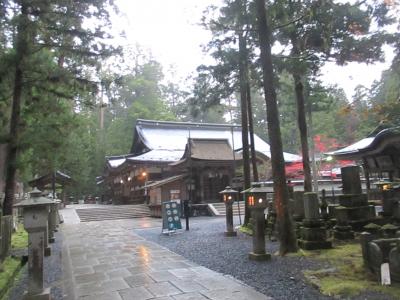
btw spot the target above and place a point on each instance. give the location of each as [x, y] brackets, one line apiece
[353, 211]
[52, 222]
[298, 210]
[313, 233]
[378, 251]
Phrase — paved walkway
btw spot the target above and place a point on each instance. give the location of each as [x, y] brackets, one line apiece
[107, 260]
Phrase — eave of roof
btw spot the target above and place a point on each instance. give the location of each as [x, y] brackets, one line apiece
[166, 181]
[366, 145]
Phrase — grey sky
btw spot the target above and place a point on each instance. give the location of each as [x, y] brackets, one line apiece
[170, 30]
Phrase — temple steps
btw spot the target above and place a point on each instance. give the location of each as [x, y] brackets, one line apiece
[218, 209]
[114, 212]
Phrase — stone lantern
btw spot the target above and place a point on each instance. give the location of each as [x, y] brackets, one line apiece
[256, 198]
[36, 213]
[229, 196]
[52, 221]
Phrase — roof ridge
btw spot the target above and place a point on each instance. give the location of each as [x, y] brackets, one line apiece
[183, 124]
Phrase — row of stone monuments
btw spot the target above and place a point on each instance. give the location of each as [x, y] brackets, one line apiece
[40, 215]
[379, 235]
[318, 223]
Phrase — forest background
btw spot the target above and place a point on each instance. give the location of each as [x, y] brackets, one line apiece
[72, 72]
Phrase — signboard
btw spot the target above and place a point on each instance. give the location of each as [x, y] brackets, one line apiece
[171, 216]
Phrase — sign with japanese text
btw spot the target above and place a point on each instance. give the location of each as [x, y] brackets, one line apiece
[171, 216]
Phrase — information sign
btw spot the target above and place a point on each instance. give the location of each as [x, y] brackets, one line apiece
[171, 216]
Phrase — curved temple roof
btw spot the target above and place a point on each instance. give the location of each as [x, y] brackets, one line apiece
[367, 145]
[165, 141]
[174, 136]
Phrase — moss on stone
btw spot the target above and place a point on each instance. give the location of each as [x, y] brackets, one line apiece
[389, 227]
[372, 226]
[347, 277]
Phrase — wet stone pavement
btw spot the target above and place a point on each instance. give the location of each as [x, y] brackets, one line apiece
[107, 260]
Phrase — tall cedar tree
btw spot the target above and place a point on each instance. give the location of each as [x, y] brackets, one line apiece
[243, 80]
[57, 27]
[21, 51]
[319, 30]
[287, 236]
[231, 75]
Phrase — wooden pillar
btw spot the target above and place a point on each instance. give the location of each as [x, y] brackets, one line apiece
[366, 173]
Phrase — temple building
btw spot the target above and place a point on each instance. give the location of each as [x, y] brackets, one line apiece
[379, 154]
[176, 160]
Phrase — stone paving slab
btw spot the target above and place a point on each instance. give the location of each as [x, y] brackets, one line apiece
[109, 261]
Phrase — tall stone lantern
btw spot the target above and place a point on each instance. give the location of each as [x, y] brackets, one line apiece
[229, 196]
[36, 213]
[256, 198]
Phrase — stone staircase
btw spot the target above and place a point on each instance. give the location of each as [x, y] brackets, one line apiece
[113, 212]
[218, 209]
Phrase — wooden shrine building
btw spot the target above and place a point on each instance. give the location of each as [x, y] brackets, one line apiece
[176, 160]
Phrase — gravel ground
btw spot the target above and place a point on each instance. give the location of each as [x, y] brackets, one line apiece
[206, 245]
[52, 273]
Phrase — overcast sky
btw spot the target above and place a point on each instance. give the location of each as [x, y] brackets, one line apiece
[170, 30]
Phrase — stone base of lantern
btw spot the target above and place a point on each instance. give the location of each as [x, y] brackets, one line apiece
[314, 245]
[342, 232]
[259, 257]
[230, 233]
[45, 295]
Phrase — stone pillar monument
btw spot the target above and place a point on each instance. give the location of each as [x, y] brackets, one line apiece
[353, 212]
[52, 221]
[313, 232]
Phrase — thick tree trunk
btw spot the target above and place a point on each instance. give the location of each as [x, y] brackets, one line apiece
[302, 124]
[12, 151]
[287, 236]
[244, 118]
[251, 132]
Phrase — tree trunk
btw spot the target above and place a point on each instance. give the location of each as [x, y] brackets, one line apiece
[287, 236]
[12, 151]
[251, 132]
[301, 118]
[312, 147]
[302, 124]
[244, 118]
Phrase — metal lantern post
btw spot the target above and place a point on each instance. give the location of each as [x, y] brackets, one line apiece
[229, 196]
[145, 176]
[186, 209]
[256, 198]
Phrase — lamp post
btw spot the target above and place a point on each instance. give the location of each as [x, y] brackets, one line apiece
[145, 175]
[229, 196]
[256, 198]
